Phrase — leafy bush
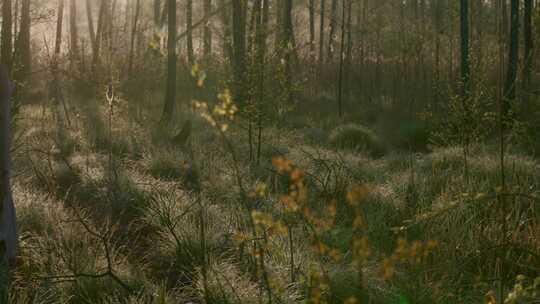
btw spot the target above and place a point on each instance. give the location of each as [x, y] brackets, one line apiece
[357, 137]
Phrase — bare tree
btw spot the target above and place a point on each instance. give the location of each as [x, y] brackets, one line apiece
[170, 94]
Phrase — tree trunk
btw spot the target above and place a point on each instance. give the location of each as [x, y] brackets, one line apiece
[90, 20]
[332, 33]
[7, 32]
[513, 48]
[239, 49]
[133, 36]
[23, 42]
[207, 35]
[74, 34]
[170, 94]
[321, 37]
[465, 47]
[341, 60]
[227, 32]
[288, 45]
[99, 34]
[59, 21]
[528, 47]
[312, 31]
[189, 31]
[9, 238]
[261, 56]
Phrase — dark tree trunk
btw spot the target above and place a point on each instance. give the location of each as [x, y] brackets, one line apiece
[23, 43]
[513, 49]
[170, 94]
[7, 32]
[9, 238]
[262, 35]
[465, 47]
[239, 49]
[528, 47]
[341, 60]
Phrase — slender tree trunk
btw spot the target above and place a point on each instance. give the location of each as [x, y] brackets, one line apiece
[288, 45]
[7, 32]
[59, 21]
[312, 31]
[133, 36]
[207, 35]
[99, 34]
[239, 49]
[332, 33]
[74, 34]
[278, 4]
[513, 48]
[227, 32]
[9, 238]
[261, 57]
[189, 30]
[465, 50]
[90, 19]
[341, 60]
[528, 48]
[170, 94]
[321, 37]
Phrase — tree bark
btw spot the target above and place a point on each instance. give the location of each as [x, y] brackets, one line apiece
[23, 43]
[312, 31]
[133, 36]
[239, 49]
[207, 35]
[7, 32]
[465, 47]
[332, 33]
[189, 30]
[9, 238]
[528, 47]
[74, 34]
[90, 20]
[513, 49]
[321, 34]
[288, 46]
[170, 94]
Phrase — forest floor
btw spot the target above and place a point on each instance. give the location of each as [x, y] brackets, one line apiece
[125, 216]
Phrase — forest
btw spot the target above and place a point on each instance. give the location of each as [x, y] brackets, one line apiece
[270, 151]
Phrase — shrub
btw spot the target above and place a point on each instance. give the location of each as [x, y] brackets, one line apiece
[357, 137]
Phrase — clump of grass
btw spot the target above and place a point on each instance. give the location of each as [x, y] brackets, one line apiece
[357, 137]
[165, 164]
